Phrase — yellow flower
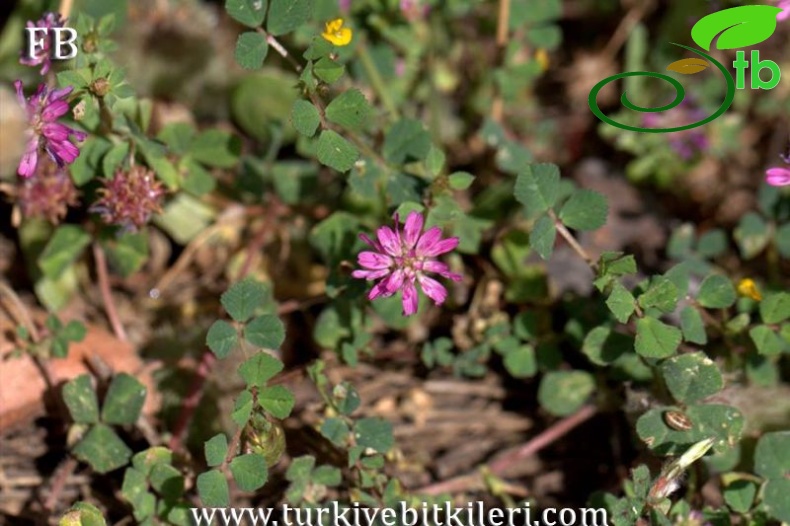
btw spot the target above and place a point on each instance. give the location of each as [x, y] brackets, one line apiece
[543, 59]
[747, 287]
[336, 33]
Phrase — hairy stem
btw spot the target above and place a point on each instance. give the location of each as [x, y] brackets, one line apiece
[106, 293]
[65, 8]
[280, 49]
[568, 237]
[498, 105]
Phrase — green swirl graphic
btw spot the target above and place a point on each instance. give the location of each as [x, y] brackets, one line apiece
[680, 94]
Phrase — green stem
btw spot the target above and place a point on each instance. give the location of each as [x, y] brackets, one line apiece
[375, 79]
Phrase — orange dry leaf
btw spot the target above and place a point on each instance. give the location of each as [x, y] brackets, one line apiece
[22, 386]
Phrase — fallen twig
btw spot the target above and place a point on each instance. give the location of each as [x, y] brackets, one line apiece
[476, 480]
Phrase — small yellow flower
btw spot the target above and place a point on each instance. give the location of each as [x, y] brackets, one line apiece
[336, 33]
[543, 59]
[747, 287]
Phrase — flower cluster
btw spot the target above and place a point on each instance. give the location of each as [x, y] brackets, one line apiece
[402, 259]
[42, 56]
[44, 108]
[47, 194]
[129, 198]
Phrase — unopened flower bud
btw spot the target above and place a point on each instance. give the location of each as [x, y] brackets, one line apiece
[100, 87]
[266, 438]
[89, 44]
[748, 288]
[78, 112]
[669, 480]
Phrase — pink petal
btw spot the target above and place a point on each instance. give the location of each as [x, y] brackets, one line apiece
[60, 93]
[62, 152]
[389, 240]
[19, 94]
[777, 176]
[440, 268]
[396, 218]
[440, 247]
[433, 289]
[413, 229]
[374, 260]
[378, 290]
[370, 274]
[371, 242]
[387, 286]
[428, 239]
[55, 109]
[395, 282]
[27, 165]
[410, 299]
[41, 94]
[54, 131]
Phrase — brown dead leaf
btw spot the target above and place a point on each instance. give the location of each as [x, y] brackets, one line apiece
[22, 387]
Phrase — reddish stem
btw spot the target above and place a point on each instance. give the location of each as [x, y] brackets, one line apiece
[191, 401]
[543, 439]
[62, 475]
[512, 456]
[208, 359]
[106, 293]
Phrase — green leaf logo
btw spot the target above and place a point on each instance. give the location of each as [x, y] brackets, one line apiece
[739, 27]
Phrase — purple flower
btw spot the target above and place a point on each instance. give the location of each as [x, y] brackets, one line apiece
[402, 259]
[42, 56]
[777, 176]
[686, 143]
[44, 108]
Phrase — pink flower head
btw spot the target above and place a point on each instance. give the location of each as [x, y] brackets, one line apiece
[404, 258]
[777, 176]
[130, 198]
[42, 55]
[47, 194]
[44, 108]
